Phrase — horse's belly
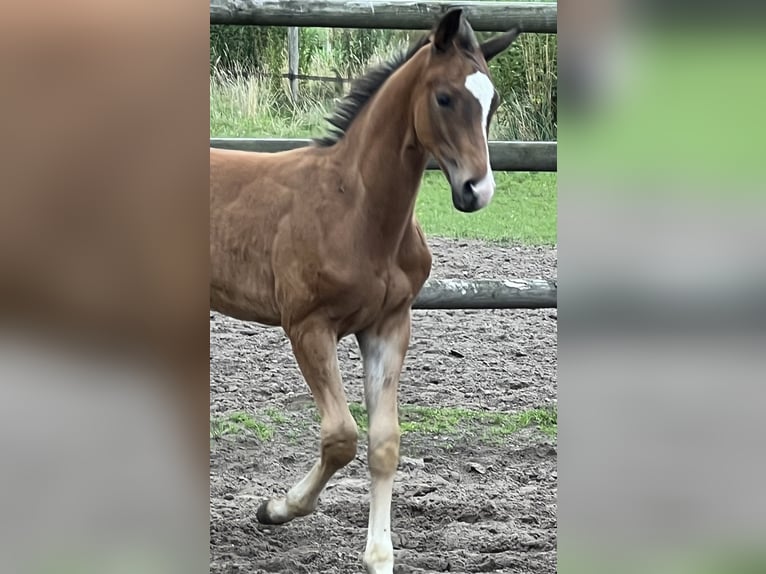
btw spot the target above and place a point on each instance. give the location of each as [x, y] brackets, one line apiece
[244, 306]
[245, 293]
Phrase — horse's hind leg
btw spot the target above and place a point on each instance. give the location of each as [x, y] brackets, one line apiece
[315, 349]
[383, 349]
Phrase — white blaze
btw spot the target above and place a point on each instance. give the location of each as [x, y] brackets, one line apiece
[482, 89]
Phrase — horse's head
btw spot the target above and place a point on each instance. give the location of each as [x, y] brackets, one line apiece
[454, 104]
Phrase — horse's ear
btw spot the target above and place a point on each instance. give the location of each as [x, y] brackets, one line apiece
[494, 46]
[447, 29]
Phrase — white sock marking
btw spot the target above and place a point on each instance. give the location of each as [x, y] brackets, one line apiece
[379, 551]
[381, 361]
[482, 89]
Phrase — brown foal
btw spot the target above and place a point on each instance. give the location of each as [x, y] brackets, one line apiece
[323, 242]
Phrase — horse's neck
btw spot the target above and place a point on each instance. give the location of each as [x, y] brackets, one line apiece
[388, 157]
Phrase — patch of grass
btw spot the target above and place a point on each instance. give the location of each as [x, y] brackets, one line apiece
[544, 419]
[433, 420]
[276, 416]
[455, 420]
[415, 419]
[359, 412]
[523, 209]
[239, 422]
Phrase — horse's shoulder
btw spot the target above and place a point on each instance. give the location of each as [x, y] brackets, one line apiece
[415, 256]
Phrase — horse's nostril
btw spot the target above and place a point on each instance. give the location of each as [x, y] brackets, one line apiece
[468, 189]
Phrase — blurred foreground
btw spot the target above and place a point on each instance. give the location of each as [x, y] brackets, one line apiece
[662, 275]
[103, 289]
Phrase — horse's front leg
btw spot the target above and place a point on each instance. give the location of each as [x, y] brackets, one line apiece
[383, 349]
[315, 348]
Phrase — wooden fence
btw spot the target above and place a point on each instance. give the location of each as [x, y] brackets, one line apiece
[487, 294]
[534, 17]
[504, 156]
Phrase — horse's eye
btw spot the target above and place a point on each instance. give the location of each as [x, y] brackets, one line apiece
[443, 100]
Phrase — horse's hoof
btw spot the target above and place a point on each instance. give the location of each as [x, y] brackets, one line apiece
[262, 514]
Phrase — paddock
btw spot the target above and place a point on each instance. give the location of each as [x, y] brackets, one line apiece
[476, 485]
[463, 502]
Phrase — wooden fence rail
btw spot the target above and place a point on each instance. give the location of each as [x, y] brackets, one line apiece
[504, 155]
[539, 17]
[487, 294]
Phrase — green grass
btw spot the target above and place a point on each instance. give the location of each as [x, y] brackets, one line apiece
[488, 426]
[276, 416]
[452, 421]
[523, 210]
[239, 423]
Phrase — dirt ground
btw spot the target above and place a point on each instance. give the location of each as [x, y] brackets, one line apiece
[460, 504]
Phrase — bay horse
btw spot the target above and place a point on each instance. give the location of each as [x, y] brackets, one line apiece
[323, 242]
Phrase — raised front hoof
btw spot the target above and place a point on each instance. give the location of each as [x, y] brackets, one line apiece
[265, 517]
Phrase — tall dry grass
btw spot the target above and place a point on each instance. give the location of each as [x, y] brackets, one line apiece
[244, 102]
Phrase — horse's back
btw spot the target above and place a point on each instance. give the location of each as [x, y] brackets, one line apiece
[233, 170]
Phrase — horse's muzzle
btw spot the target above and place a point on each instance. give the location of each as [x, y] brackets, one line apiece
[469, 195]
[464, 198]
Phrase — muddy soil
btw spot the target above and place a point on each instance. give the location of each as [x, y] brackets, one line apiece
[460, 504]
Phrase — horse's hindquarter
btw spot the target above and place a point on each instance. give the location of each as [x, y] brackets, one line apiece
[247, 203]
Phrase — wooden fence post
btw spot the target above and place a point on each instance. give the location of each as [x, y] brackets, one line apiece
[293, 52]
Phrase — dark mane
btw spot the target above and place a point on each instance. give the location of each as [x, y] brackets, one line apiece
[362, 89]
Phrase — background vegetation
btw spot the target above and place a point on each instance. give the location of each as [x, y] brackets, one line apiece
[525, 75]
